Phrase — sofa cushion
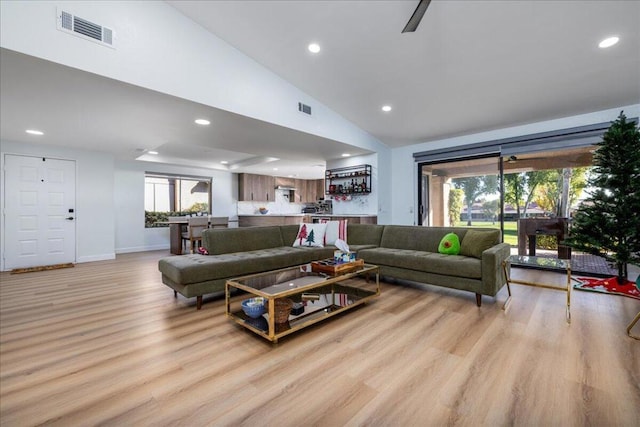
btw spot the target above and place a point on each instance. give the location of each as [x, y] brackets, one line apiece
[289, 232]
[428, 262]
[195, 268]
[364, 234]
[477, 241]
[230, 240]
[416, 238]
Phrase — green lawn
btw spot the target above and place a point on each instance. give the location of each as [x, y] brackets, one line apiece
[510, 229]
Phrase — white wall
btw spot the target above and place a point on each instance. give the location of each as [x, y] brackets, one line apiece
[130, 233]
[404, 170]
[157, 47]
[110, 200]
[95, 232]
[366, 204]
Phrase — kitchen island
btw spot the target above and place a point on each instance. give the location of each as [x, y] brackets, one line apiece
[271, 219]
[284, 219]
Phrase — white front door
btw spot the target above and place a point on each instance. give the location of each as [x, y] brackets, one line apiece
[39, 208]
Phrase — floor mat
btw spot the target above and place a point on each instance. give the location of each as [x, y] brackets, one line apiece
[41, 268]
[608, 286]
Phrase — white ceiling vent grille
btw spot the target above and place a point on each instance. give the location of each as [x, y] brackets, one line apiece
[81, 27]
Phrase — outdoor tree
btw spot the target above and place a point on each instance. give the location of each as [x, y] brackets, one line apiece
[491, 209]
[475, 186]
[456, 197]
[514, 189]
[549, 192]
[521, 188]
[534, 180]
[607, 223]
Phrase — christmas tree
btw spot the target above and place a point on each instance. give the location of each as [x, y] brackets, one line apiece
[607, 223]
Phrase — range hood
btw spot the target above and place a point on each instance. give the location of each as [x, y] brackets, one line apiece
[285, 188]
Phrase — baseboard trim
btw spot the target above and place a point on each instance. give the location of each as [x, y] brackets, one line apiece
[92, 258]
[142, 249]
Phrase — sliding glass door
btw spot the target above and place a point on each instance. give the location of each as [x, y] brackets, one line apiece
[462, 192]
[534, 192]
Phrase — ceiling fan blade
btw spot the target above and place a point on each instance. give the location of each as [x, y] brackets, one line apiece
[415, 19]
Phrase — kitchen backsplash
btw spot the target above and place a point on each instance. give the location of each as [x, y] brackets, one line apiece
[280, 206]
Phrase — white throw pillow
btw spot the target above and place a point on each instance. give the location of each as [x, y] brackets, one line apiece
[310, 235]
[335, 230]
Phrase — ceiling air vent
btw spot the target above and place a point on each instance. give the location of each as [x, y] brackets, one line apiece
[81, 27]
[303, 108]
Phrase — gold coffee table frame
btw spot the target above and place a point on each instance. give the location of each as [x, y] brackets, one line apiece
[534, 261]
[325, 296]
[631, 325]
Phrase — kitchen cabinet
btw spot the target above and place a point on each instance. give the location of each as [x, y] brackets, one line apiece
[308, 190]
[257, 188]
[285, 182]
[319, 189]
[301, 191]
[261, 188]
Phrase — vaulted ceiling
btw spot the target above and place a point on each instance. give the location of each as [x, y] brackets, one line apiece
[471, 66]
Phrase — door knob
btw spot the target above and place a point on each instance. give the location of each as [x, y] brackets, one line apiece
[69, 218]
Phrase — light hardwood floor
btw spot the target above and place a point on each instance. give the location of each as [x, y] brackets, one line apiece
[106, 343]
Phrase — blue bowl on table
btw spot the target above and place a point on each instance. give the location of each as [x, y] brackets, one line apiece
[253, 307]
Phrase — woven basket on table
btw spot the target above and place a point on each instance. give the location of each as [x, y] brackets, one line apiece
[282, 310]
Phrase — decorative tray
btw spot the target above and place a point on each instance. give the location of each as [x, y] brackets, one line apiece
[330, 266]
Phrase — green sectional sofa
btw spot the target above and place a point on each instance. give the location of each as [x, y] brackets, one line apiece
[401, 252]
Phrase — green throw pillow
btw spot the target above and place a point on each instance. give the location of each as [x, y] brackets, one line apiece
[475, 242]
[450, 244]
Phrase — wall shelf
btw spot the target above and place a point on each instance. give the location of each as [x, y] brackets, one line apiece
[351, 180]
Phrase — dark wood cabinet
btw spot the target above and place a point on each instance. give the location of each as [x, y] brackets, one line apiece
[257, 188]
[301, 191]
[308, 190]
[285, 182]
[261, 188]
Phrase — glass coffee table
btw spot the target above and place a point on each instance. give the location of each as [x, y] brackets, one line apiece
[539, 262]
[315, 296]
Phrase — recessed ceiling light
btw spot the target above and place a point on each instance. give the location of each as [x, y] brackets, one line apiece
[203, 122]
[314, 47]
[275, 169]
[224, 162]
[346, 155]
[608, 42]
[386, 108]
[34, 132]
[152, 152]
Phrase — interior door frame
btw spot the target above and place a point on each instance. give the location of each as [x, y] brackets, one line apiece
[3, 155]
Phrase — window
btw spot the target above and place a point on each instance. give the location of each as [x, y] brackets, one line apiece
[172, 195]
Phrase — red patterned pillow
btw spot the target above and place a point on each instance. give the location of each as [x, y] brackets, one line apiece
[335, 230]
[310, 235]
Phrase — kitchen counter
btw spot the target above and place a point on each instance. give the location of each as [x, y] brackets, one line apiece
[256, 220]
[343, 215]
[269, 214]
[259, 220]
